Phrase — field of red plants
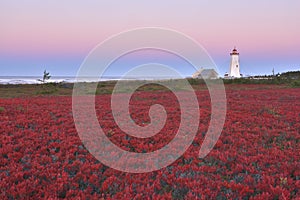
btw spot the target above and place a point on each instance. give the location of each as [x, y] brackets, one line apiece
[256, 157]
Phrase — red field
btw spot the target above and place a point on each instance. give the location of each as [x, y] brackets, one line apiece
[256, 157]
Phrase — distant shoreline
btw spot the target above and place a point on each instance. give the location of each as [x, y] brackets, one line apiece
[19, 80]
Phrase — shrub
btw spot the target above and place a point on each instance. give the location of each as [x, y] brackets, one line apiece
[2, 109]
[295, 83]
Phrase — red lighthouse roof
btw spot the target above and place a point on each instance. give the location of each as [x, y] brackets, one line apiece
[234, 52]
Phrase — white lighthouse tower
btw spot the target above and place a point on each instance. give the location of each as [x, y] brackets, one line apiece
[234, 70]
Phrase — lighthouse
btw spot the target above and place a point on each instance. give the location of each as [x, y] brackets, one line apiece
[234, 70]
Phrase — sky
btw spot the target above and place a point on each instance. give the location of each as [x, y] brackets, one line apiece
[58, 35]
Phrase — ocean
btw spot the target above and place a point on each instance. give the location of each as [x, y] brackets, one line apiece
[69, 79]
[53, 79]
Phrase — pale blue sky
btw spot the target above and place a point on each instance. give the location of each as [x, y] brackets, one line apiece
[57, 35]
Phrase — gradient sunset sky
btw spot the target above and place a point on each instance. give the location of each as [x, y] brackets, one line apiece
[57, 35]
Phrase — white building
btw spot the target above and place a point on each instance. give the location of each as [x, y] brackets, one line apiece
[234, 69]
[206, 74]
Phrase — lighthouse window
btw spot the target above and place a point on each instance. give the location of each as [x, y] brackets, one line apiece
[237, 66]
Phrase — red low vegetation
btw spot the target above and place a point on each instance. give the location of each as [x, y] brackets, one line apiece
[256, 157]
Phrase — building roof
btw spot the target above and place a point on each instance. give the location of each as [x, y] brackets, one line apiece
[206, 74]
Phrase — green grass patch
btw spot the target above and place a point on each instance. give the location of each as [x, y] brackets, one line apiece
[107, 87]
[295, 83]
[2, 109]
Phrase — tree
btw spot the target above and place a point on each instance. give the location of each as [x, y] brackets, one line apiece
[46, 77]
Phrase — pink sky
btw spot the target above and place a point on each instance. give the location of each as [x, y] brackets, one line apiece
[260, 29]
